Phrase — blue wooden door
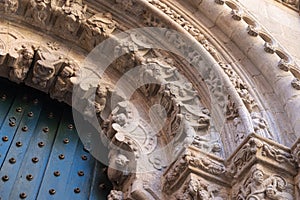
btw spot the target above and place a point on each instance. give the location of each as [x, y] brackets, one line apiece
[41, 156]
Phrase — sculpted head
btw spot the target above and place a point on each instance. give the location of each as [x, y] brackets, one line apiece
[258, 176]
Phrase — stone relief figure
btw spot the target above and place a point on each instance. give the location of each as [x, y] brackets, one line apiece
[45, 67]
[96, 26]
[75, 10]
[38, 11]
[240, 133]
[260, 125]
[197, 190]
[10, 6]
[247, 99]
[262, 187]
[65, 80]
[118, 168]
[102, 93]
[75, 13]
[19, 66]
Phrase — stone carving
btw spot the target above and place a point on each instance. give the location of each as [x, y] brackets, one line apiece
[39, 11]
[269, 47]
[205, 164]
[53, 46]
[240, 133]
[74, 14]
[20, 62]
[237, 14]
[115, 195]
[262, 186]
[75, 10]
[296, 153]
[44, 68]
[97, 28]
[240, 86]
[244, 155]
[260, 126]
[117, 171]
[253, 30]
[196, 189]
[190, 159]
[125, 127]
[10, 6]
[131, 6]
[221, 2]
[277, 154]
[174, 90]
[247, 99]
[157, 162]
[231, 110]
[252, 150]
[65, 81]
[102, 93]
[295, 4]
[296, 84]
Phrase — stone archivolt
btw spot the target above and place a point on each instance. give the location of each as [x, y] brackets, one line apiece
[258, 169]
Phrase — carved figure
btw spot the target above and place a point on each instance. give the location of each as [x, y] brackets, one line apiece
[45, 67]
[260, 125]
[98, 25]
[100, 99]
[261, 187]
[11, 6]
[239, 130]
[200, 191]
[118, 168]
[75, 10]
[66, 80]
[20, 68]
[39, 10]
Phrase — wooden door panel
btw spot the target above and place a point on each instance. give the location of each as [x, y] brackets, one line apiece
[41, 155]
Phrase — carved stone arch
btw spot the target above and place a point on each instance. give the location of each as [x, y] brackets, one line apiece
[50, 62]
